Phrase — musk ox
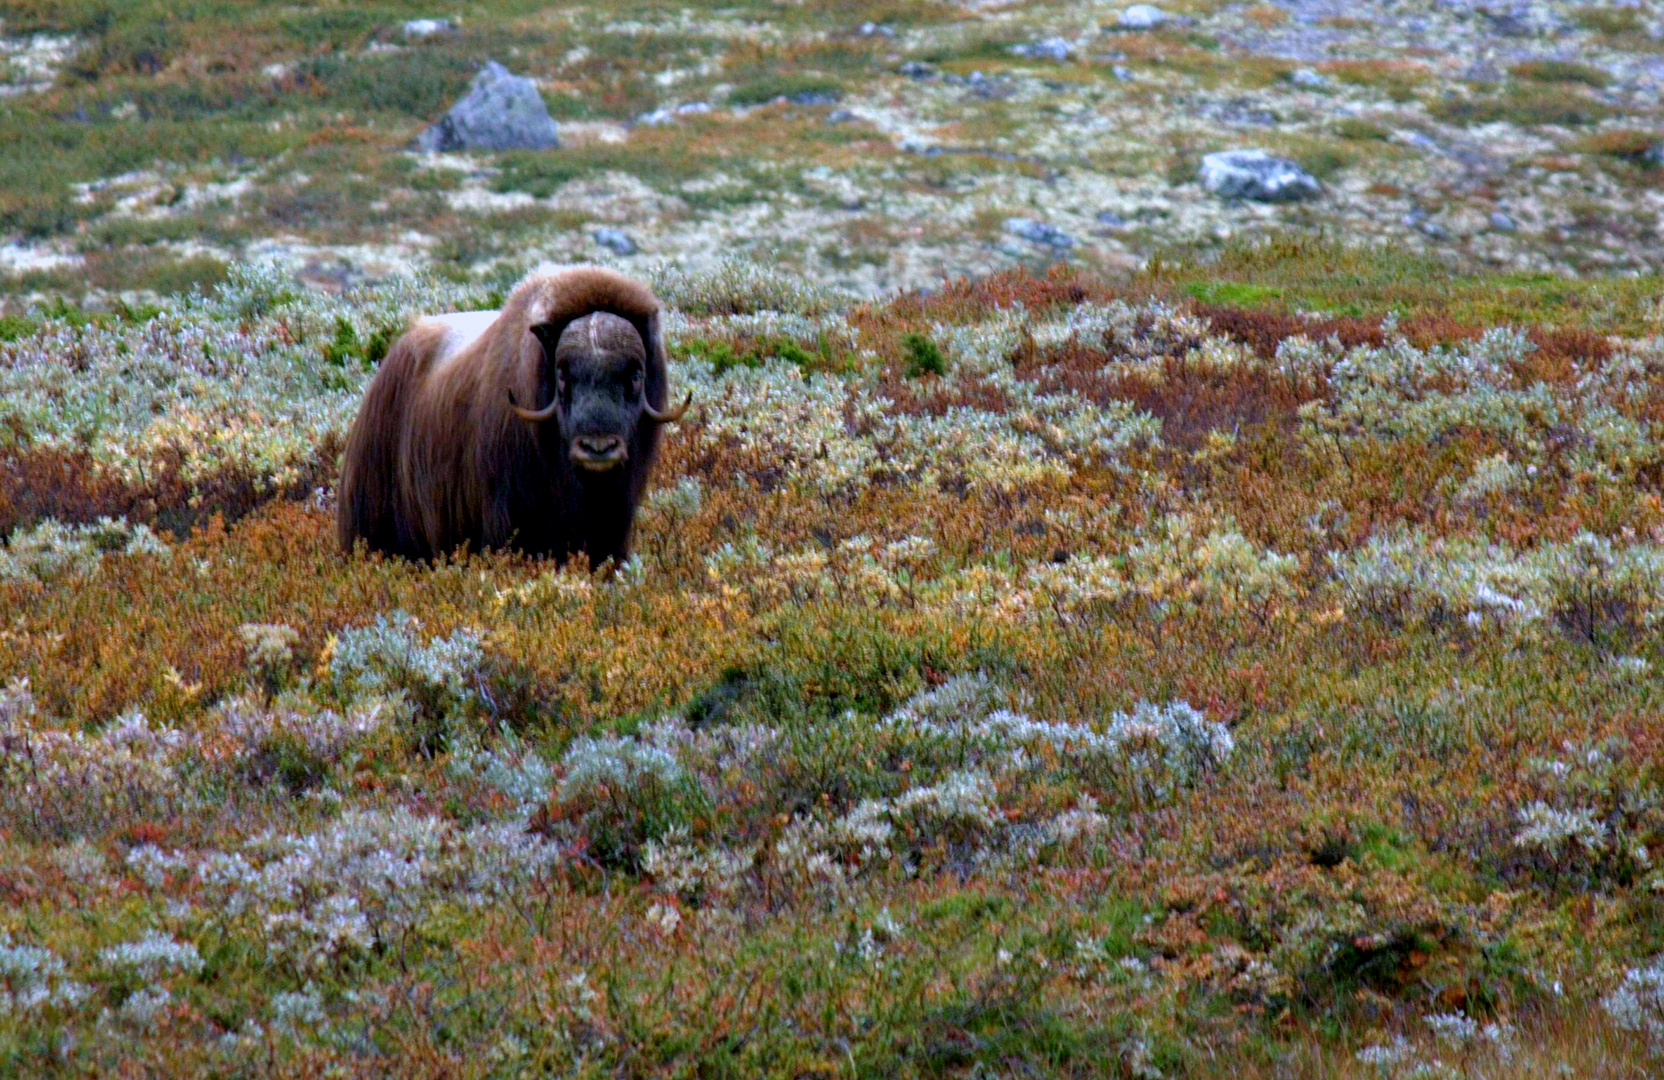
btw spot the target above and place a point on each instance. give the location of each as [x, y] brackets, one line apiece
[530, 429]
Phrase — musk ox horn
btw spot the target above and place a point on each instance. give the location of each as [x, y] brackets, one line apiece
[668, 416]
[532, 416]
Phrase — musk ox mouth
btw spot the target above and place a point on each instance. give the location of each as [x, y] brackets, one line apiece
[599, 454]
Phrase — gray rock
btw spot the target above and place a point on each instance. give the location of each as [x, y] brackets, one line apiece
[501, 111]
[1240, 112]
[815, 97]
[1525, 20]
[615, 241]
[1506, 24]
[840, 116]
[1309, 79]
[918, 69]
[1502, 222]
[1038, 232]
[1255, 174]
[990, 89]
[1143, 17]
[417, 29]
[1418, 220]
[1420, 141]
[1110, 219]
[1122, 72]
[1053, 48]
[872, 29]
[1655, 155]
[666, 114]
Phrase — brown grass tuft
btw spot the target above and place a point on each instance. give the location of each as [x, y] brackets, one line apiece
[70, 486]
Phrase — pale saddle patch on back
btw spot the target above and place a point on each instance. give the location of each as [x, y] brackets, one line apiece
[462, 329]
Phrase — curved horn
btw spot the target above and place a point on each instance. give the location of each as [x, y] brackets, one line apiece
[668, 416]
[533, 416]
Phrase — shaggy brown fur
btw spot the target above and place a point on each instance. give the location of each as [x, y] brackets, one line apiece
[438, 457]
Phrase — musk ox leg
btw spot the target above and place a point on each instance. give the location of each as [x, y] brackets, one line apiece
[370, 502]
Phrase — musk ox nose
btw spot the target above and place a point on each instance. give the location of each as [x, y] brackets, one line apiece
[598, 452]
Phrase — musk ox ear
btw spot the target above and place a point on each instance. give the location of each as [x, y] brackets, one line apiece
[529, 377]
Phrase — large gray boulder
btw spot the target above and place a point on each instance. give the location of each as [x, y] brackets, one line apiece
[501, 111]
[1257, 175]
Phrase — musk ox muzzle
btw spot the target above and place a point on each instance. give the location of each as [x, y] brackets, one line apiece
[599, 453]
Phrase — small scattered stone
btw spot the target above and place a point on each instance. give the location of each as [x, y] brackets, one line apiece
[1109, 219]
[1502, 222]
[1038, 232]
[1309, 79]
[1257, 175]
[991, 89]
[1122, 72]
[667, 114]
[417, 29]
[1420, 141]
[815, 97]
[1655, 155]
[615, 241]
[872, 29]
[840, 116]
[1242, 111]
[501, 111]
[1507, 24]
[1143, 17]
[1053, 48]
[1418, 220]
[918, 69]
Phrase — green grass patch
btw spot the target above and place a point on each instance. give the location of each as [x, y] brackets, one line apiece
[806, 88]
[13, 327]
[1400, 81]
[1357, 129]
[1561, 71]
[822, 356]
[1298, 273]
[45, 155]
[1527, 105]
[1233, 293]
[1611, 21]
[921, 356]
[419, 83]
[654, 161]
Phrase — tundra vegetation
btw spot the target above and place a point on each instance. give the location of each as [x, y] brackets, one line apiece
[1040, 674]
[1215, 656]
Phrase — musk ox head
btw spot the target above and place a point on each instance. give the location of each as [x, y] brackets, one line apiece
[593, 372]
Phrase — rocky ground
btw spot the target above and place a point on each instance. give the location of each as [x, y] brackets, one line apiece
[871, 147]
